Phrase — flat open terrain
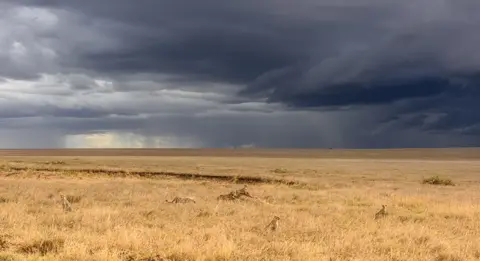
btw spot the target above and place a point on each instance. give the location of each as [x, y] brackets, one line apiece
[326, 201]
[437, 154]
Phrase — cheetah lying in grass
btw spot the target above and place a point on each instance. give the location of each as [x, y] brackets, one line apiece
[237, 194]
[178, 200]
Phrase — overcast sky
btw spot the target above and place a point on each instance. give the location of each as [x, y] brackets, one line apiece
[216, 73]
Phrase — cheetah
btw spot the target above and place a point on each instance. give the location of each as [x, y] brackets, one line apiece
[273, 225]
[236, 194]
[381, 213]
[178, 200]
[243, 192]
[230, 196]
[67, 206]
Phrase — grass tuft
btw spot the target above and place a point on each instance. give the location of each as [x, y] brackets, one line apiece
[43, 247]
[436, 180]
[8, 257]
[4, 242]
[74, 198]
[280, 171]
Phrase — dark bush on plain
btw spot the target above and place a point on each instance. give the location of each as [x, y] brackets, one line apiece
[436, 180]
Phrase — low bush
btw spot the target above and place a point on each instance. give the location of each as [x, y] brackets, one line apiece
[436, 180]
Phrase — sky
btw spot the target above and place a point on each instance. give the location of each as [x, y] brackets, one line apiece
[215, 73]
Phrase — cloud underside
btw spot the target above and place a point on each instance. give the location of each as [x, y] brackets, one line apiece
[365, 73]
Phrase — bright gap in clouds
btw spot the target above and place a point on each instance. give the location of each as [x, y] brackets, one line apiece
[127, 140]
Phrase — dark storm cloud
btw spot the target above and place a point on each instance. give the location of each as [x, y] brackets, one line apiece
[363, 93]
[453, 112]
[412, 64]
[206, 57]
[217, 41]
[316, 46]
[262, 130]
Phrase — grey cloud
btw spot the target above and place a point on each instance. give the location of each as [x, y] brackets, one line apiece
[219, 130]
[81, 82]
[24, 51]
[31, 139]
[60, 97]
[263, 130]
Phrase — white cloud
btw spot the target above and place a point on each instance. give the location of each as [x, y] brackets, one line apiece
[66, 95]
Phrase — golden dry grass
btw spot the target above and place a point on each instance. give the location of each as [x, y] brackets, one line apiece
[327, 214]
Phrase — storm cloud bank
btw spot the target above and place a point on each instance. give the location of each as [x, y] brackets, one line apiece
[275, 73]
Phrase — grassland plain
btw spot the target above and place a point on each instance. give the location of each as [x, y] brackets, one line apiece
[326, 201]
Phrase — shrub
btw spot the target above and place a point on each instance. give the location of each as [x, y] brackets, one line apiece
[55, 162]
[436, 180]
[280, 171]
[4, 244]
[73, 198]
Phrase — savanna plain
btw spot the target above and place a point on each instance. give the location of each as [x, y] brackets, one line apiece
[326, 202]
